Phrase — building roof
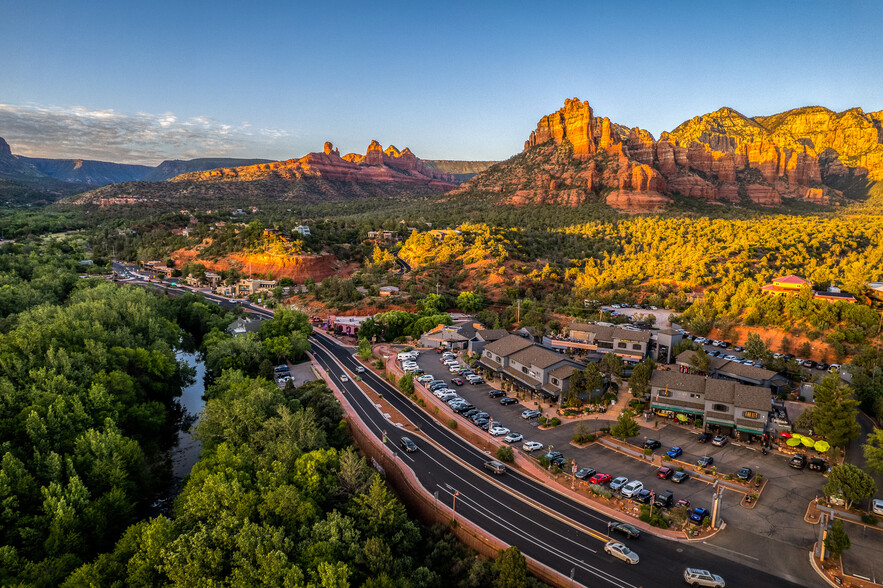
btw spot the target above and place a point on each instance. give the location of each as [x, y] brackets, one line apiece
[490, 335]
[507, 345]
[753, 397]
[445, 335]
[522, 377]
[749, 372]
[629, 335]
[678, 381]
[469, 329]
[790, 279]
[537, 356]
[721, 391]
[605, 333]
[563, 372]
[834, 295]
[489, 363]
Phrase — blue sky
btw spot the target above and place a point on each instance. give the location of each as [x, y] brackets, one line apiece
[141, 82]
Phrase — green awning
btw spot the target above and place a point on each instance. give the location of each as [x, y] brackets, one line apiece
[721, 423]
[749, 430]
[676, 409]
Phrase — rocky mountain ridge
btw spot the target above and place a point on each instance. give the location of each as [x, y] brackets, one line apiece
[85, 171]
[806, 154]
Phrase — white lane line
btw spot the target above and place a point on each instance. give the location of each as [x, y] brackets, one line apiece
[730, 550]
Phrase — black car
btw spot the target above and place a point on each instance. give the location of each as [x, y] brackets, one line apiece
[643, 496]
[584, 473]
[664, 499]
[507, 401]
[471, 413]
[464, 408]
[704, 437]
[623, 528]
[738, 348]
[555, 457]
[485, 426]
[652, 444]
[408, 445]
[480, 415]
[823, 366]
[798, 462]
[744, 474]
[679, 477]
[480, 422]
[496, 393]
[705, 461]
[817, 464]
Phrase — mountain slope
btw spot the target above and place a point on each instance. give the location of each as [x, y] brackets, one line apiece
[175, 167]
[84, 171]
[22, 184]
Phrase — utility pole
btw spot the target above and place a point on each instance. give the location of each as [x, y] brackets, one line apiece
[518, 311]
[454, 508]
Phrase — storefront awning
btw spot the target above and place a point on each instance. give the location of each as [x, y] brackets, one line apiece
[658, 406]
[721, 423]
[750, 430]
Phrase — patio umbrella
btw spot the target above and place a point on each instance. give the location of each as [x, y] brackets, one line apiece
[792, 442]
[683, 418]
[808, 441]
[796, 436]
[822, 446]
[785, 434]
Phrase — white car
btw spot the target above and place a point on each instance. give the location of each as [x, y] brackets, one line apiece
[620, 551]
[360, 370]
[877, 506]
[343, 378]
[425, 378]
[632, 488]
[498, 431]
[696, 577]
[532, 446]
[730, 357]
[513, 438]
[455, 369]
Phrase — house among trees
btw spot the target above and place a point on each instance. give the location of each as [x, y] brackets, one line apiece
[244, 325]
[791, 285]
[388, 291]
[247, 288]
[346, 325]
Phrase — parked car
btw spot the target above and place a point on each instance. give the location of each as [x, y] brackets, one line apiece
[555, 457]
[643, 496]
[817, 464]
[281, 368]
[408, 445]
[674, 452]
[620, 551]
[632, 488]
[697, 577]
[738, 348]
[664, 499]
[705, 461]
[877, 507]
[679, 477]
[470, 413]
[495, 467]
[481, 415]
[532, 446]
[600, 478]
[496, 393]
[683, 502]
[457, 381]
[626, 529]
[476, 380]
[744, 474]
[719, 441]
[703, 437]
[508, 400]
[531, 414]
[498, 431]
[481, 422]
[463, 408]
[584, 473]
[698, 515]
[618, 482]
[425, 378]
[664, 473]
[513, 438]
[798, 462]
[652, 444]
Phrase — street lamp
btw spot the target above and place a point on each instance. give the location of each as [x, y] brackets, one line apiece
[454, 508]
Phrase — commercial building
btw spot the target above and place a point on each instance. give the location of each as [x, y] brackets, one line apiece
[528, 366]
[725, 369]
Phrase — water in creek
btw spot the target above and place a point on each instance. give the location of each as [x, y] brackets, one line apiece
[186, 451]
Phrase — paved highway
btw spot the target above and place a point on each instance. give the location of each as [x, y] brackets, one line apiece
[560, 533]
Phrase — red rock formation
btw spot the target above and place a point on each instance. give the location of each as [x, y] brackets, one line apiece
[637, 202]
[374, 155]
[574, 122]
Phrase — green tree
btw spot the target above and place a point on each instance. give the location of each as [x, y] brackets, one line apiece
[432, 304]
[611, 365]
[873, 449]
[406, 384]
[755, 348]
[469, 302]
[365, 351]
[625, 426]
[836, 411]
[279, 348]
[639, 382]
[850, 481]
[511, 569]
[837, 541]
[806, 421]
[701, 361]
[505, 453]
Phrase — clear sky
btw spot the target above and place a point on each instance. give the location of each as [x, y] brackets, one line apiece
[139, 82]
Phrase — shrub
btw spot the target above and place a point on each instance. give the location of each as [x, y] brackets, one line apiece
[542, 420]
[680, 468]
[555, 422]
[583, 434]
[544, 461]
[659, 521]
[379, 364]
[505, 453]
[869, 519]
[452, 423]
[758, 480]
[648, 451]
[666, 457]
[706, 522]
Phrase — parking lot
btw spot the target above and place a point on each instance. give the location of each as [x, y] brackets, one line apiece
[864, 559]
[778, 514]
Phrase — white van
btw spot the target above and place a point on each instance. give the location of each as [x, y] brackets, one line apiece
[407, 355]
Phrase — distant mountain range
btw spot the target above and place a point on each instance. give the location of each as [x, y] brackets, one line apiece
[803, 155]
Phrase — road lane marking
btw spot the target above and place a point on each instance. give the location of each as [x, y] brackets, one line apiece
[730, 550]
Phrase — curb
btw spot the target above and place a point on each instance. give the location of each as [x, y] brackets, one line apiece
[815, 567]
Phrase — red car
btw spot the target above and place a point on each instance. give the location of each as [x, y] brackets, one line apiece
[664, 473]
[600, 479]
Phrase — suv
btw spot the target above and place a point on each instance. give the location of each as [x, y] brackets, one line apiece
[719, 441]
[798, 462]
[652, 444]
[494, 393]
[531, 414]
[744, 474]
[664, 498]
[632, 488]
[408, 445]
[495, 467]
[664, 473]
[695, 577]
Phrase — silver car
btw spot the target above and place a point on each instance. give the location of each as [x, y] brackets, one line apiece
[620, 551]
[696, 577]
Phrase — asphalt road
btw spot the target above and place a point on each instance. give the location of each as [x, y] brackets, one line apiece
[567, 537]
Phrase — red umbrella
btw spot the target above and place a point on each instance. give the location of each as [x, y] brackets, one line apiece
[785, 434]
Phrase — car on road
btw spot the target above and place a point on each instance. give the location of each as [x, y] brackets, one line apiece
[513, 438]
[496, 393]
[652, 444]
[498, 431]
[360, 370]
[744, 474]
[508, 400]
[600, 478]
[343, 378]
[664, 499]
[674, 452]
[632, 488]
[620, 551]
[408, 445]
[495, 467]
[626, 529]
[531, 414]
[703, 437]
[532, 446]
[618, 482]
[664, 473]
[698, 515]
[798, 462]
[697, 577]
[679, 477]
[584, 473]
[457, 381]
[719, 441]
[705, 461]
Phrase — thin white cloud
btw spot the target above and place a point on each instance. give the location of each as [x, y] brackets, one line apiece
[80, 133]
